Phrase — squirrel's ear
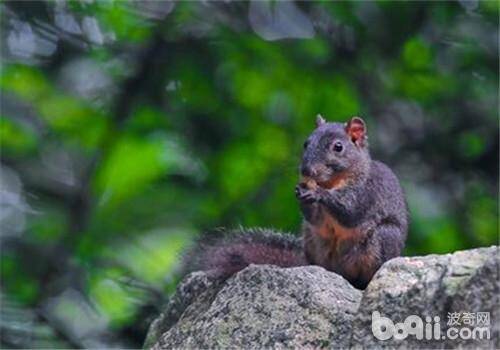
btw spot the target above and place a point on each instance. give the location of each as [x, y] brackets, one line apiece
[356, 129]
[320, 120]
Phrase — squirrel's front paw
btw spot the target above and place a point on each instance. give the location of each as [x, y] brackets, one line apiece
[305, 194]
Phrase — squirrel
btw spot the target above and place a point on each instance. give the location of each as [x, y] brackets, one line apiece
[355, 212]
[354, 209]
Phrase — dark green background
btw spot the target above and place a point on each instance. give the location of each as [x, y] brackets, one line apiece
[129, 128]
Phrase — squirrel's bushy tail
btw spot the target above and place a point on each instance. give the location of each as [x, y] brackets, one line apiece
[234, 250]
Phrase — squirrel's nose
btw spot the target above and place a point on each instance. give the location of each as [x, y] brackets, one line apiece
[307, 171]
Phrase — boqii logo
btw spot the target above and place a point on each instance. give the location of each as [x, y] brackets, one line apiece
[462, 325]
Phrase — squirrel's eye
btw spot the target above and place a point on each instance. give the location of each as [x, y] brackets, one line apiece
[338, 147]
[306, 144]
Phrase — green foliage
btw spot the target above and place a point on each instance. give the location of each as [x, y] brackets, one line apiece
[16, 138]
[27, 82]
[22, 284]
[133, 164]
[417, 55]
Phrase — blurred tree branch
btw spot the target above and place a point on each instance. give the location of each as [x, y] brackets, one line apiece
[79, 200]
[146, 60]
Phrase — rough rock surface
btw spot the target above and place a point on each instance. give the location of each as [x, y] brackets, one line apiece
[434, 285]
[309, 307]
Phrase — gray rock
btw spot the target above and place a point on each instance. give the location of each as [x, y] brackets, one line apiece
[431, 286]
[267, 306]
[264, 306]
[197, 290]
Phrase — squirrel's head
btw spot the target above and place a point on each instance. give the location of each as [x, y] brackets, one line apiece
[334, 149]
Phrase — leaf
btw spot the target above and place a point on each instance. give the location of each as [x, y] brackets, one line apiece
[135, 163]
[15, 137]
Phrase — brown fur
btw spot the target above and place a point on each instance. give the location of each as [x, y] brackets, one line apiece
[327, 240]
[336, 182]
[226, 253]
[330, 244]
